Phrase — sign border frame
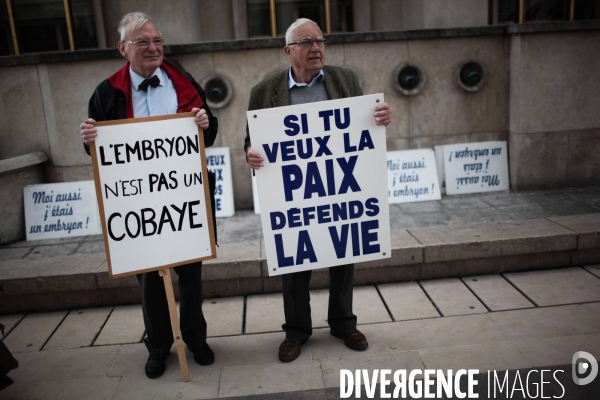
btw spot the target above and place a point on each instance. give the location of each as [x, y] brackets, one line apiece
[207, 201]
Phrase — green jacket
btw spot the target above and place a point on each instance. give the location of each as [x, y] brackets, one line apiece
[273, 90]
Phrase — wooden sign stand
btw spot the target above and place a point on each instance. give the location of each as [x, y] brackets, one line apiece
[166, 275]
[118, 250]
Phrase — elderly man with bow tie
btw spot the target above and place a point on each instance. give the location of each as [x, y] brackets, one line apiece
[308, 80]
[148, 85]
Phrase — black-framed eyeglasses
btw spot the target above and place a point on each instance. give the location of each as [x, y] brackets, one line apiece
[158, 42]
[307, 43]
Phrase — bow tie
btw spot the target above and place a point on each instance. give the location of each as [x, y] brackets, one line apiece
[153, 81]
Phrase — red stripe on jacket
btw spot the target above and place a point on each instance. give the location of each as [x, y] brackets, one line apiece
[187, 95]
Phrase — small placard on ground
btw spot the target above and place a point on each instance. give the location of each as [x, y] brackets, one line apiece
[412, 176]
[218, 161]
[476, 167]
[58, 210]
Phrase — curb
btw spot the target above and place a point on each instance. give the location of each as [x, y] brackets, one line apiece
[457, 250]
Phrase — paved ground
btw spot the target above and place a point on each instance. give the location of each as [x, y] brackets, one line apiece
[493, 322]
[512, 321]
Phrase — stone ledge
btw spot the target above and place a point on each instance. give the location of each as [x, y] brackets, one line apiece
[496, 265]
[15, 174]
[49, 275]
[42, 302]
[405, 250]
[586, 226]
[241, 269]
[493, 239]
[234, 260]
[24, 161]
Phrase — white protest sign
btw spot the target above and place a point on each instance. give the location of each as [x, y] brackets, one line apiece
[153, 193]
[323, 189]
[476, 167]
[219, 162]
[412, 176]
[58, 210]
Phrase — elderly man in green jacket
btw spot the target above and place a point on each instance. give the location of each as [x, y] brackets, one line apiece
[310, 80]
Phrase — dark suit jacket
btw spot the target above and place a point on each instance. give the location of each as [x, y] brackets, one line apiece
[273, 90]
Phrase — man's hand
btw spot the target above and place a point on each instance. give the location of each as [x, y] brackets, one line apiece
[383, 114]
[201, 118]
[88, 132]
[254, 159]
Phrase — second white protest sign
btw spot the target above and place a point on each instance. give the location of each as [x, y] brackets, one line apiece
[476, 167]
[323, 189]
[218, 161]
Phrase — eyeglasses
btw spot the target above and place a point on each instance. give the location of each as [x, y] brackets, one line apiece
[307, 43]
[158, 42]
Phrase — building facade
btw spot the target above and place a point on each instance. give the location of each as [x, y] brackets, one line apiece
[33, 26]
[535, 84]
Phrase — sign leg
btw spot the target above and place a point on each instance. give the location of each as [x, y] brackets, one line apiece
[175, 323]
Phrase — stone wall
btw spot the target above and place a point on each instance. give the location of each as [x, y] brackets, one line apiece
[190, 21]
[542, 95]
[554, 102]
[15, 174]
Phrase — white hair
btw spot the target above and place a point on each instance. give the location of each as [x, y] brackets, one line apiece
[131, 22]
[290, 32]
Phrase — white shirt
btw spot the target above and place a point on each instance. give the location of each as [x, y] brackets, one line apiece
[291, 82]
[160, 100]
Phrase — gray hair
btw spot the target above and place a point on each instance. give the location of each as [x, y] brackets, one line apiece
[131, 22]
[290, 32]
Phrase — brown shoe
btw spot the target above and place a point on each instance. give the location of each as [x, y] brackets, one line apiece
[353, 339]
[289, 350]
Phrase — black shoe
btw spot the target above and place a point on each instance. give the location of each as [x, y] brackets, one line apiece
[156, 366]
[353, 339]
[203, 355]
[289, 350]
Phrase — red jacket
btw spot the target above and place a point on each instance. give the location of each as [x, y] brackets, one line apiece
[112, 98]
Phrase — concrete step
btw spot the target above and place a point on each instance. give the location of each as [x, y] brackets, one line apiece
[58, 282]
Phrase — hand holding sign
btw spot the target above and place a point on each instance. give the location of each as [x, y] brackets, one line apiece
[254, 159]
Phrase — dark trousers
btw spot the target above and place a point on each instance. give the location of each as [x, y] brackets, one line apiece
[296, 302]
[156, 309]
